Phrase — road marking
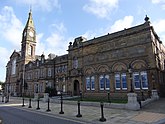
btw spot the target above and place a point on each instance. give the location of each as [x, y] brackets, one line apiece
[1, 105]
[51, 115]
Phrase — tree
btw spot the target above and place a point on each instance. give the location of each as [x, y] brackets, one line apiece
[51, 91]
[2, 84]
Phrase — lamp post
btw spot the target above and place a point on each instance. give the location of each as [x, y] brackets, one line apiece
[23, 85]
[61, 112]
[153, 81]
[130, 73]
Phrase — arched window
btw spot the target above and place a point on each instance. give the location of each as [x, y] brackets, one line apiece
[140, 80]
[30, 50]
[104, 82]
[13, 67]
[120, 81]
[90, 83]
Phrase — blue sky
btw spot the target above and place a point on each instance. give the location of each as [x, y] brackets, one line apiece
[58, 22]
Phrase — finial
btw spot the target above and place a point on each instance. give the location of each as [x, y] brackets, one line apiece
[30, 9]
[146, 18]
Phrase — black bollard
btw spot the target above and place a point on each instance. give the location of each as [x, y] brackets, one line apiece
[48, 110]
[2, 98]
[78, 115]
[38, 104]
[61, 112]
[30, 103]
[109, 100]
[102, 119]
[81, 95]
[23, 102]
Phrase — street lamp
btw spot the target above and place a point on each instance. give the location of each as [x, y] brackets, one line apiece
[23, 85]
[130, 73]
[153, 81]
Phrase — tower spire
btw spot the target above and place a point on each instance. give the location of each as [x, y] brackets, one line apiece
[30, 22]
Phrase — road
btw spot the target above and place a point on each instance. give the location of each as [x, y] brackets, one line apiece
[12, 115]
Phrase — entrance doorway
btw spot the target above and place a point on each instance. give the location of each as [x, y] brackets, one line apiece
[76, 88]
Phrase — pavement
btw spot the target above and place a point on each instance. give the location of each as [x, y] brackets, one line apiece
[153, 113]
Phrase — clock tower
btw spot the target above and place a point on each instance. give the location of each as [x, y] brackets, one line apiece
[28, 45]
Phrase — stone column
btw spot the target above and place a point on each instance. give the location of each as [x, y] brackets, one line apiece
[155, 95]
[132, 103]
[46, 96]
[36, 96]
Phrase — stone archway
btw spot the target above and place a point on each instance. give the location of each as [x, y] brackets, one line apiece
[76, 88]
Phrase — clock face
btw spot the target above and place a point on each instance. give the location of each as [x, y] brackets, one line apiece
[31, 34]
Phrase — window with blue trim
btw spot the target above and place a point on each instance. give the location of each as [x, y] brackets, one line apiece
[104, 82]
[120, 81]
[136, 80]
[144, 80]
[140, 80]
[90, 83]
[107, 82]
[124, 81]
[101, 82]
[117, 81]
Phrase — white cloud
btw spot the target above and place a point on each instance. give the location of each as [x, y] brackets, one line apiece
[159, 26]
[160, 29]
[90, 34]
[157, 1]
[56, 43]
[120, 24]
[101, 8]
[10, 26]
[58, 27]
[40, 47]
[45, 5]
[3, 62]
[160, 2]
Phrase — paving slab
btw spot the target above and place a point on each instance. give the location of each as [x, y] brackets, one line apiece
[92, 114]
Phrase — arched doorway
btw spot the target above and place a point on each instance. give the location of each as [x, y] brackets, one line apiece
[76, 88]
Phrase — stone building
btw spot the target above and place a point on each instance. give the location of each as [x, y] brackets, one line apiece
[129, 60]
[102, 64]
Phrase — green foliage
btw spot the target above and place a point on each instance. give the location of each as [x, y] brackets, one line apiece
[112, 100]
[1, 82]
[51, 91]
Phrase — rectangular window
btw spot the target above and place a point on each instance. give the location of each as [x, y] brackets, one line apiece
[49, 72]
[101, 82]
[107, 82]
[124, 81]
[136, 80]
[117, 81]
[92, 83]
[144, 81]
[88, 83]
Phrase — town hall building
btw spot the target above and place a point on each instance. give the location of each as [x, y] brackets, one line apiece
[130, 60]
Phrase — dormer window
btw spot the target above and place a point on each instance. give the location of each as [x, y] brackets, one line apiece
[42, 60]
[37, 63]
